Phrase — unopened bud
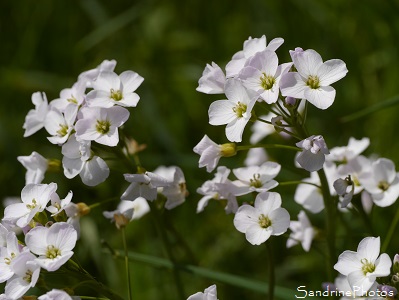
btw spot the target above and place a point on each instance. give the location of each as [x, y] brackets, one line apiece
[83, 209]
[289, 102]
[228, 149]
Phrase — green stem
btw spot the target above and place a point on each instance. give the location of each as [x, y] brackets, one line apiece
[126, 263]
[330, 210]
[96, 298]
[298, 182]
[168, 249]
[268, 146]
[271, 270]
[94, 205]
[391, 231]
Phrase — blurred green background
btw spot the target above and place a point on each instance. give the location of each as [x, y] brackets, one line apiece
[46, 44]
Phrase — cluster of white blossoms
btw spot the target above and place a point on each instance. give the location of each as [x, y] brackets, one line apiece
[254, 79]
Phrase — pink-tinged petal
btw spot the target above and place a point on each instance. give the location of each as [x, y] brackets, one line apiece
[16, 288]
[309, 161]
[107, 81]
[212, 80]
[251, 78]
[130, 81]
[235, 129]
[282, 70]
[257, 235]
[348, 262]
[99, 98]
[54, 264]
[274, 44]
[36, 240]
[117, 115]
[331, 71]
[94, 172]
[245, 217]
[234, 67]
[129, 100]
[280, 219]
[265, 61]
[266, 202]
[382, 266]
[15, 211]
[369, 248]
[307, 62]
[221, 112]
[359, 281]
[63, 236]
[253, 45]
[322, 97]
[292, 84]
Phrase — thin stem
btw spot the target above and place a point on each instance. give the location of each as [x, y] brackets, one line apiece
[282, 109]
[390, 232]
[271, 270]
[298, 182]
[360, 210]
[269, 108]
[97, 298]
[267, 146]
[126, 263]
[94, 205]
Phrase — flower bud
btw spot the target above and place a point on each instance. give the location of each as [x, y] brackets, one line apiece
[387, 290]
[289, 101]
[228, 149]
[53, 165]
[83, 209]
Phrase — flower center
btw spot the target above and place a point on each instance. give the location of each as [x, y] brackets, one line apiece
[313, 82]
[28, 276]
[267, 82]
[264, 221]
[63, 131]
[103, 126]
[367, 267]
[72, 100]
[8, 260]
[116, 95]
[52, 252]
[255, 181]
[383, 185]
[240, 109]
[32, 205]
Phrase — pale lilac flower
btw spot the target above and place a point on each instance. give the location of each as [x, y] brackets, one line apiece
[26, 273]
[34, 199]
[251, 47]
[219, 188]
[266, 218]
[210, 293]
[101, 124]
[176, 191]
[235, 112]
[309, 196]
[79, 159]
[314, 153]
[345, 189]
[60, 125]
[55, 294]
[34, 120]
[255, 178]
[73, 96]
[346, 153]
[8, 253]
[91, 75]
[111, 89]
[262, 74]
[382, 182]
[313, 79]
[143, 185]
[36, 166]
[212, 80]
[53, 245]
[364, 266]
[302, 232]
[211, 152]
[57, 204]
[256, 157]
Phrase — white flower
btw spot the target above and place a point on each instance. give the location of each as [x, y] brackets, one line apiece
[143, 185]
[7, 254]
[101, 124]
[55, 294]
[266, 218]
[58, 205]
[382, 182]
[26, 274]
[235, 112]
[256, 178]
[365, 265]
[262, 74]
[128, 211]
[256, 157]
[302, 232]
[111, 89]
[312, 157]
[35, 198]
[212, 80]
[309, 196]
[210, 293]
[36, 166]
[70, 97]
[251, 47]
[313, 79]
[211, 152]
[34, 120]
[346, 153]
[78, 159]
[91, 75]
[60, 125]
[53, 245]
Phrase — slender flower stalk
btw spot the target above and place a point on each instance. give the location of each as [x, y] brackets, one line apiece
[129, 286]
[271, 271]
